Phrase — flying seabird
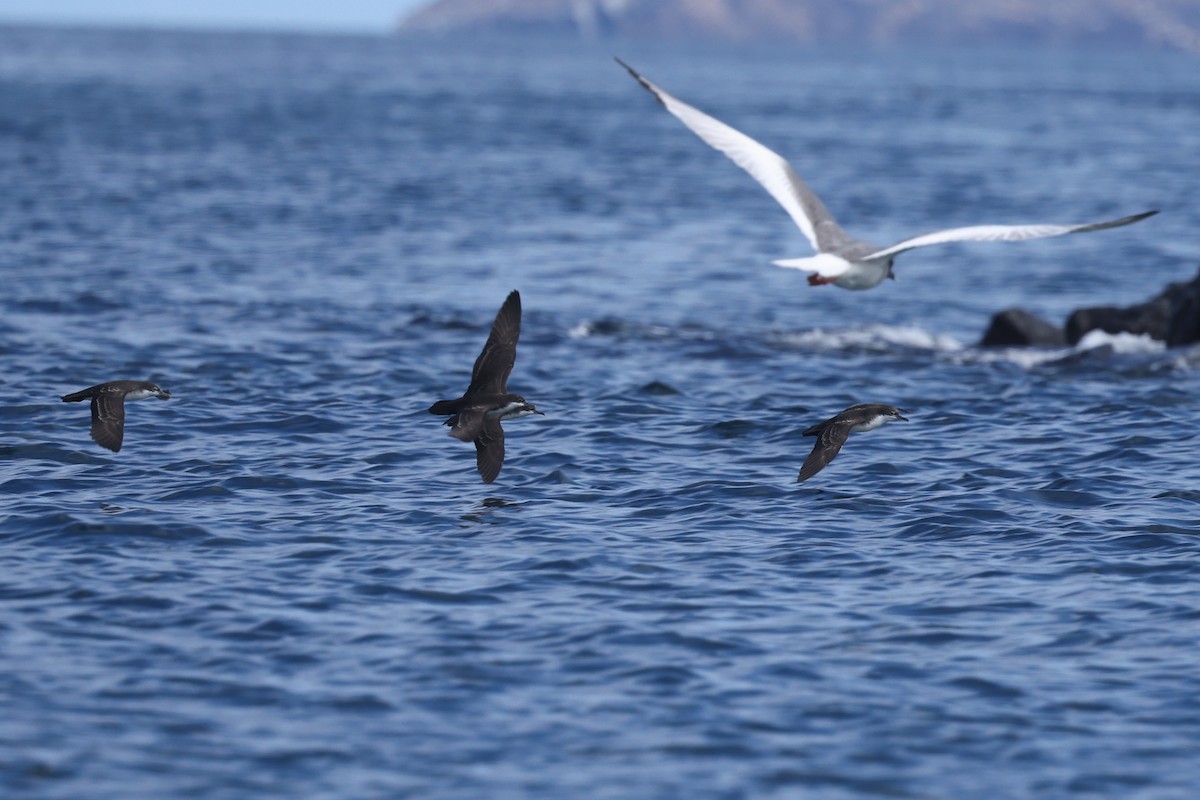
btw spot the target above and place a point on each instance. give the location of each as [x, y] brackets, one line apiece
[476, 416]
[841, 259]
[832, 433]
[108, 407]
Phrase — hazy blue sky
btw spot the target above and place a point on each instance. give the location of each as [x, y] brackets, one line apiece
[336, 15]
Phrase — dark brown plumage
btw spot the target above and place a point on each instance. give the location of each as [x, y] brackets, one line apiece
[476, 416]
[108, 407]
[833, 432]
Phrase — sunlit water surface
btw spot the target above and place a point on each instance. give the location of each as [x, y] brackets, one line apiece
[291, 583]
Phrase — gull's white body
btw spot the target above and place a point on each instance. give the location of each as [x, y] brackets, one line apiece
[844, 272]
[841, 259]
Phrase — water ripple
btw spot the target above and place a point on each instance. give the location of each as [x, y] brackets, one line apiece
[290, 582]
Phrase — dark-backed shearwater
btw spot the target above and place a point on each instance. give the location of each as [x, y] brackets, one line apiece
[831, 434]
[476, 416]
[840, 259]
[108, 407]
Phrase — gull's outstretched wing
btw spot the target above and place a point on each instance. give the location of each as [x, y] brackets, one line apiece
[1000, 233]
[764, 165]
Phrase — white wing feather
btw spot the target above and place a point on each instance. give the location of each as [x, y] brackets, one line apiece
[809, 213]
[764, 165]
[1000, 233]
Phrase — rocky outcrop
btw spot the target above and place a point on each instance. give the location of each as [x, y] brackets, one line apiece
[1174, 23]
[1016, 327]
[1149, 319]
[1172, 316]
[1184, 325]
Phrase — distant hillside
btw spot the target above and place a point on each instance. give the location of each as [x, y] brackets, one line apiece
[1171, 23]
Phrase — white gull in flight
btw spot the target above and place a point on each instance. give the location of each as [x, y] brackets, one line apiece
[841, 259]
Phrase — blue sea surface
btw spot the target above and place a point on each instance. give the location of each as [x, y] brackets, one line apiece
[290, 583]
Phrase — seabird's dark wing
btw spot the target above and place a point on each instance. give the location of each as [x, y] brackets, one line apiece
[108, 418]
[490, 375]
[489, 450]
[830, 438]
[468, 424]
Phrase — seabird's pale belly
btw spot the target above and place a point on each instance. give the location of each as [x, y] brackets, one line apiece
[869, 426]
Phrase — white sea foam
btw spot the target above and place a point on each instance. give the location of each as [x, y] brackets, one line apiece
[608, 327]
[1024, 357]
[582, 330]
[1096, 343]
[885, 338]
[1124, 343]
[875, 338]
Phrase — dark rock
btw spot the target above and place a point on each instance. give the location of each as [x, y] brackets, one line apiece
[1184, 325]
[1149, 318]
[1172, 317]
[1016, 327]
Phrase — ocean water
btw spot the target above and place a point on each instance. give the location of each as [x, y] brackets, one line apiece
[291, 582]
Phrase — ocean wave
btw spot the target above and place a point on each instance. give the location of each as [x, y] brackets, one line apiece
[1096, 346]
[872, 339]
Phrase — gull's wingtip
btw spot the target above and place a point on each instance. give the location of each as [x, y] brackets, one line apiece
[637, 76]
[629, 69]
[1137, 217]
[1116, 223]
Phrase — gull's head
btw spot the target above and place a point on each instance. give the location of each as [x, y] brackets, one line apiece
[896, 413]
